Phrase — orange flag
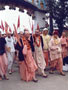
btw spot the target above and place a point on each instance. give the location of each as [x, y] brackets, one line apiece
[16, 34]
[18, 24]
[2, 26]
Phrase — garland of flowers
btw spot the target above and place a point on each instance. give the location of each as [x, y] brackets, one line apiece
[36, 42]
[56, 41]
[25, 42]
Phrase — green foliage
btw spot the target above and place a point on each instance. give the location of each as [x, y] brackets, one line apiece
[59, 12]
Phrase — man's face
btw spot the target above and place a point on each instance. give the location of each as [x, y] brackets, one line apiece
[27, 34]
[5, 35]
[9, 35]
[45, 32]
[21, 35]
[37, 32]
[55, 36]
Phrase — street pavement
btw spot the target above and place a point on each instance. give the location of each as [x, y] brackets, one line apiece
[53, 82]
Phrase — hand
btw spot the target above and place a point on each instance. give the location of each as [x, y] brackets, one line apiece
[8, 49]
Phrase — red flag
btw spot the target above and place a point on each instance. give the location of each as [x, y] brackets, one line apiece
[2, 26]
[6, 27]
[38, 27]
[10, 29]
[18, 24]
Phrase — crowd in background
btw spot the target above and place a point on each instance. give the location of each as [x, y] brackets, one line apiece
[33, 53]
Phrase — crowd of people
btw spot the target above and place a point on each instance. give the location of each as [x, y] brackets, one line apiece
[33, 53]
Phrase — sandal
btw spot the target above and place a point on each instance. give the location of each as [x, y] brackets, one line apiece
[62, 74]
[35, 80]
[45, 75]
[51, 72]
[5, 77]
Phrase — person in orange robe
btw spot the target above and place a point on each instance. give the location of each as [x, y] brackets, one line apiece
[26, 61]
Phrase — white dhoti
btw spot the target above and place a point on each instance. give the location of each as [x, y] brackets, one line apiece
[39, 57]
[10, 56]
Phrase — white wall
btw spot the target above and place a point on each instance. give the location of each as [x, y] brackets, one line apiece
[39, 19]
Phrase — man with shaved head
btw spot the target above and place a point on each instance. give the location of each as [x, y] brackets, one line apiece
[39, 56]
[26, 61]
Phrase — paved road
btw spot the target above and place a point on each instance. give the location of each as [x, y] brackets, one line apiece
[53, 82]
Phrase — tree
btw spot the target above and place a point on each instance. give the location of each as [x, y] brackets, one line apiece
[60, 14]
[50, 6]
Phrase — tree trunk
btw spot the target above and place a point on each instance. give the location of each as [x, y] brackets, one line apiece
[60, 30]
[51, 24]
